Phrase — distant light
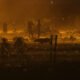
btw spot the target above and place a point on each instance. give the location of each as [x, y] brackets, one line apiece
[52, 2]
[63, 18]
[62, 32]
[19, 31]
[10, 32]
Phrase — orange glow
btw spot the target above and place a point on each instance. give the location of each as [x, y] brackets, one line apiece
[10, 32]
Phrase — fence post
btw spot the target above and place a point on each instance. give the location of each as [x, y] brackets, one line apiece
[51, 49]
[55, 48]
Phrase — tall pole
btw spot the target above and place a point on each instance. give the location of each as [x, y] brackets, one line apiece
[14, 28]
[55, 49]
[30, 29]
[53, 57]
[39, 28]
[5, 27]
[51, 50]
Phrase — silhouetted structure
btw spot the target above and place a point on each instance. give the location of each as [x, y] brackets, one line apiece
[14, 27]
[72, 38]
[39, 28]
[5, 48]
[5, 27]
[20, 50]
[55, 48]
[19, 46]
[30, 29]
[42, 40]
[51, 49]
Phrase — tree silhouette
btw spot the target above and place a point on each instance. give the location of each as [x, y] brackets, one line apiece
[19, 46]
[20, 50]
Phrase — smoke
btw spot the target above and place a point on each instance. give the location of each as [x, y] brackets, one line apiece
[20, 10]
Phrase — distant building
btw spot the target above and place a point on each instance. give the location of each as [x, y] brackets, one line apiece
[5, 28]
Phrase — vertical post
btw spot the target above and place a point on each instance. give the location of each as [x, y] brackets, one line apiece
[55, 48]
[14, 28]
[51, 49]
[30, 29]
[39, 28]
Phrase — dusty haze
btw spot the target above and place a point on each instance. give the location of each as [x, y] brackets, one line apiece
[64, 13]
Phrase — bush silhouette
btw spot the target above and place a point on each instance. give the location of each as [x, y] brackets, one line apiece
[19, 45]
[5, 47]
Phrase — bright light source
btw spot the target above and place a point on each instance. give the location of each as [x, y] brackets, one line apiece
[1, 32]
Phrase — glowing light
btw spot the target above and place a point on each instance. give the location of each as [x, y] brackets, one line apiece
[19, 31]
[1, 32]
[10, 32]
[62, 32]
[52, 2]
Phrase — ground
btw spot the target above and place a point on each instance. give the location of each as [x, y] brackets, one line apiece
[37, 64]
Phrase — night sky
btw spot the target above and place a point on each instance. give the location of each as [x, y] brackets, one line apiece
[63, 12]
[68, 7]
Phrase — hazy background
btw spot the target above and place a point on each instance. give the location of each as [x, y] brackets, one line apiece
[64, 13]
